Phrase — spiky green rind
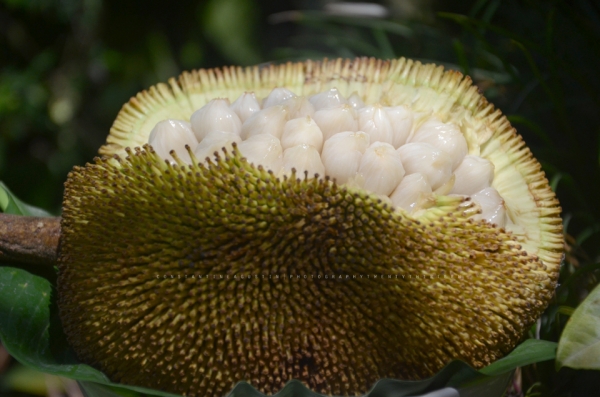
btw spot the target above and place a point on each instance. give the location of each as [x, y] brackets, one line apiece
[402, 297]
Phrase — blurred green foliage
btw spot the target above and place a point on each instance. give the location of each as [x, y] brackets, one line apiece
[67, 66]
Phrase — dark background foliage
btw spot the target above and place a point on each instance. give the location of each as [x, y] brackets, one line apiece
[67, 66]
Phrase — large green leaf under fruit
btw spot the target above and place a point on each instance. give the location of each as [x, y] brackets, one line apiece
[10, 204]
[31, 332]
[579, 345]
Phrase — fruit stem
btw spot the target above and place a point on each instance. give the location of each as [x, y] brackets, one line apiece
[28, 239]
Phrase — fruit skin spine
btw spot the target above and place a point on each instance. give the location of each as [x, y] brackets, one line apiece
[308, 226]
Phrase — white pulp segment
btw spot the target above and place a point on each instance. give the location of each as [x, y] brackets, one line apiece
[492, 206]
[245, 106]
[170, 135]
[299, 107]
[277, 96]
[268, 121]
[336, 119]
[445, 189]
[263, 149]
[215, 141]
[302, 130]
[413, 189]
[355, 101]
[304, 158]
[376, 148]
[327, 99]
[472, 175]
[444, 136]
[375, 121]
[215, 116]
[342, 153]
[401, 119]
[424, 158]
[381, 167]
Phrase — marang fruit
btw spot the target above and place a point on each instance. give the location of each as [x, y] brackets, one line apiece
[134, 215]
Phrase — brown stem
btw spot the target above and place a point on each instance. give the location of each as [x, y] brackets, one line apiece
[29, 239]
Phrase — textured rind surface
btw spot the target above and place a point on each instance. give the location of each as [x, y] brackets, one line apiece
[407, 295]
[127, 221]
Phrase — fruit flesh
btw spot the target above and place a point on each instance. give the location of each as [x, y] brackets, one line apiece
[137, 216]
[425, 145]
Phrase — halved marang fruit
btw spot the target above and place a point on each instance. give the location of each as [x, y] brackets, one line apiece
[335, 222]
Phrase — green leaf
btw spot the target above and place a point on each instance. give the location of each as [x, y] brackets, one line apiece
[27, 322]
[461, 56]
[566, 310]
[529, 352]
[10, 204]
[30, 330]
[579, 345]
[91, 389]
[384, 43]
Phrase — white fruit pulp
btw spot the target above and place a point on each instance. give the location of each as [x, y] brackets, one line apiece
[390, 151]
